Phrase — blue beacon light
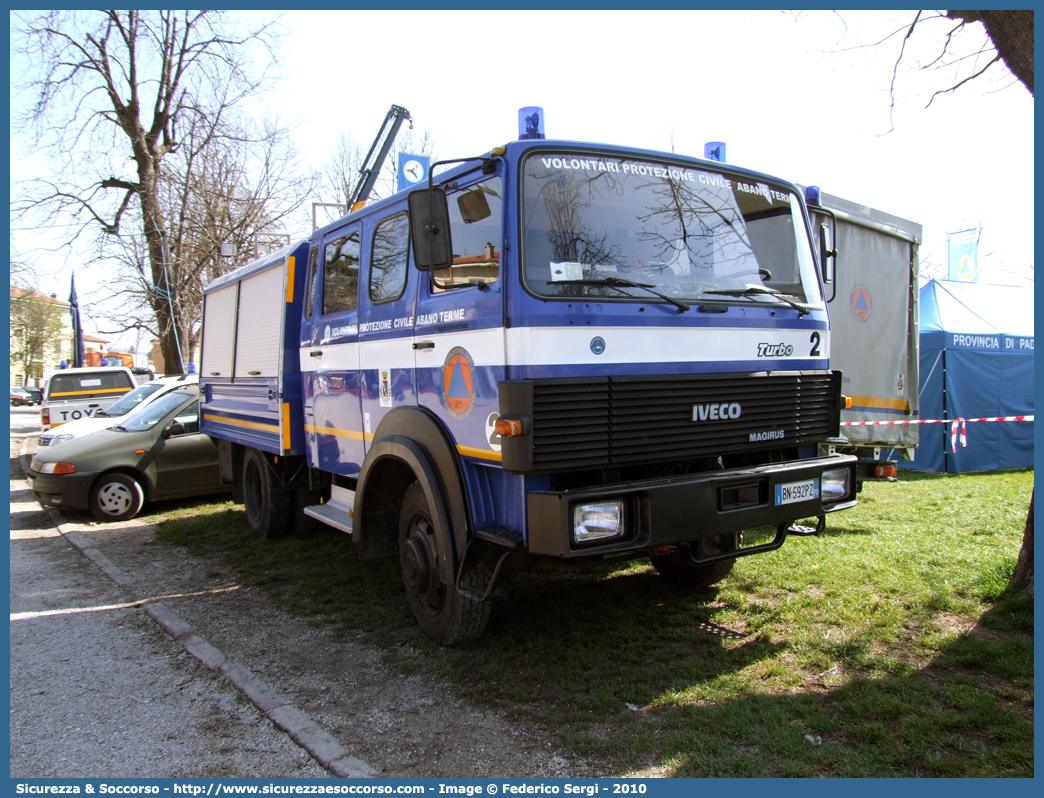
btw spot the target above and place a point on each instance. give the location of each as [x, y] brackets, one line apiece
[813, 195]
[714, 151]
[530, 123]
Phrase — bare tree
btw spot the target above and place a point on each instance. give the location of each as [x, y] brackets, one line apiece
[1009, 40]
[1011, 35]
[1021, 582]
[233, 185]
[22, 274]
[114, 92]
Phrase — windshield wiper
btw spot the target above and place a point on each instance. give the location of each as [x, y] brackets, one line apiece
[760, 290]
[619, 282]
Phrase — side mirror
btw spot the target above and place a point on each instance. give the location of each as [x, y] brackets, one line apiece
[174, 428]
[827, 255]
[430, 229]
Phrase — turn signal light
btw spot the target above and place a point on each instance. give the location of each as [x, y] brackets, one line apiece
[885, 471]
[847, 401]
[508, 427]
[57, 468]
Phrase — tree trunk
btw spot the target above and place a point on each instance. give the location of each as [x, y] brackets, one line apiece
[1021, 582]
[1012, 34]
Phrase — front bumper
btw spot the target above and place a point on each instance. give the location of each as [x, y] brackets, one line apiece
[672, 510]
[62, 490]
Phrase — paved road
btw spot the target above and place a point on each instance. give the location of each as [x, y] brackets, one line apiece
[232, 686]
[98, 688]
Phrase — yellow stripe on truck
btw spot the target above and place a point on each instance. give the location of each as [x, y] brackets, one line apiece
[340, 433]
[238, 423]
[467, 451]
[290, 279]
[482, 454]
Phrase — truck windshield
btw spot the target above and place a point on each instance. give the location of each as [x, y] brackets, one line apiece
[592, 222]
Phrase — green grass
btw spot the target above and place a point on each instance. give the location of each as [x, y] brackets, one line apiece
[887, 640]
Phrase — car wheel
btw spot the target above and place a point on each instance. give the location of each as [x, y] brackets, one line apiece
[116, 497]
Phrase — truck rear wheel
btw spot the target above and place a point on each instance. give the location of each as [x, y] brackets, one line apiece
[677, 568]
[267, 504]
[441, 612]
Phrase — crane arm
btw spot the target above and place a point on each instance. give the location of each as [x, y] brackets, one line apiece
[371, 169]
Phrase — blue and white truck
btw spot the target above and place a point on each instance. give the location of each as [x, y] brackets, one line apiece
[557, 350]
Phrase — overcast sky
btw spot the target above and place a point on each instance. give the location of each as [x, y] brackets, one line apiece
[793, 96]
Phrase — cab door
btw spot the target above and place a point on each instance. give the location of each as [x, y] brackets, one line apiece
[459, 329]
[330, 354]
[386, 320]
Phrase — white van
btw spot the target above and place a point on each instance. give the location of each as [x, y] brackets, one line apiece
[112, 415]
[73, 394]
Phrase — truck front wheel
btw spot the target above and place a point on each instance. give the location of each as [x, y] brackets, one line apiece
[441, 612]
[267, 504]
[676, 566]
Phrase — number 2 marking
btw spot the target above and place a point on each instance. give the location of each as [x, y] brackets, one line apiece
[815, 345]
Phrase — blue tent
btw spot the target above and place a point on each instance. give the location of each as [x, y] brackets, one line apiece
[976, 361]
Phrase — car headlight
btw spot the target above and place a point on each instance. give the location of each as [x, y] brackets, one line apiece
[61, 439]
[57, 468]
[598, 521]
[835, 484]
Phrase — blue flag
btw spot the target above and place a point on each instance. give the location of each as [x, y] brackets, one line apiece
[963, 256]
[77, 329]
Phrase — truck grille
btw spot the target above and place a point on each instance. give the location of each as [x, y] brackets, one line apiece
[615, 421]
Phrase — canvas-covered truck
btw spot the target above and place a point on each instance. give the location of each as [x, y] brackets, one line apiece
[874, 329]
[561, 351]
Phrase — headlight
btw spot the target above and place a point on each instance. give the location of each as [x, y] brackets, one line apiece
[598, 521]
[61, 439]
[57, 468]
[835, 485]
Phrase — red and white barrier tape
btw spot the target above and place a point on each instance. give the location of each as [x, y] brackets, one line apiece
[961, 422]
[931, 421]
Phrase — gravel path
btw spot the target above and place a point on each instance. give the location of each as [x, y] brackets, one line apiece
[90, 667]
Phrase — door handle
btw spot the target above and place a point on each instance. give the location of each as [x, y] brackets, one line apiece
[423, 344]
[316, 353]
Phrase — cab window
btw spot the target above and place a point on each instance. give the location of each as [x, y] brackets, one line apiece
[475, 225]
[391, 247]
[341, 275]
[313, 268]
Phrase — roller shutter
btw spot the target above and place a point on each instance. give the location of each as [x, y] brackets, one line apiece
[261, 305]
[219, 324]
